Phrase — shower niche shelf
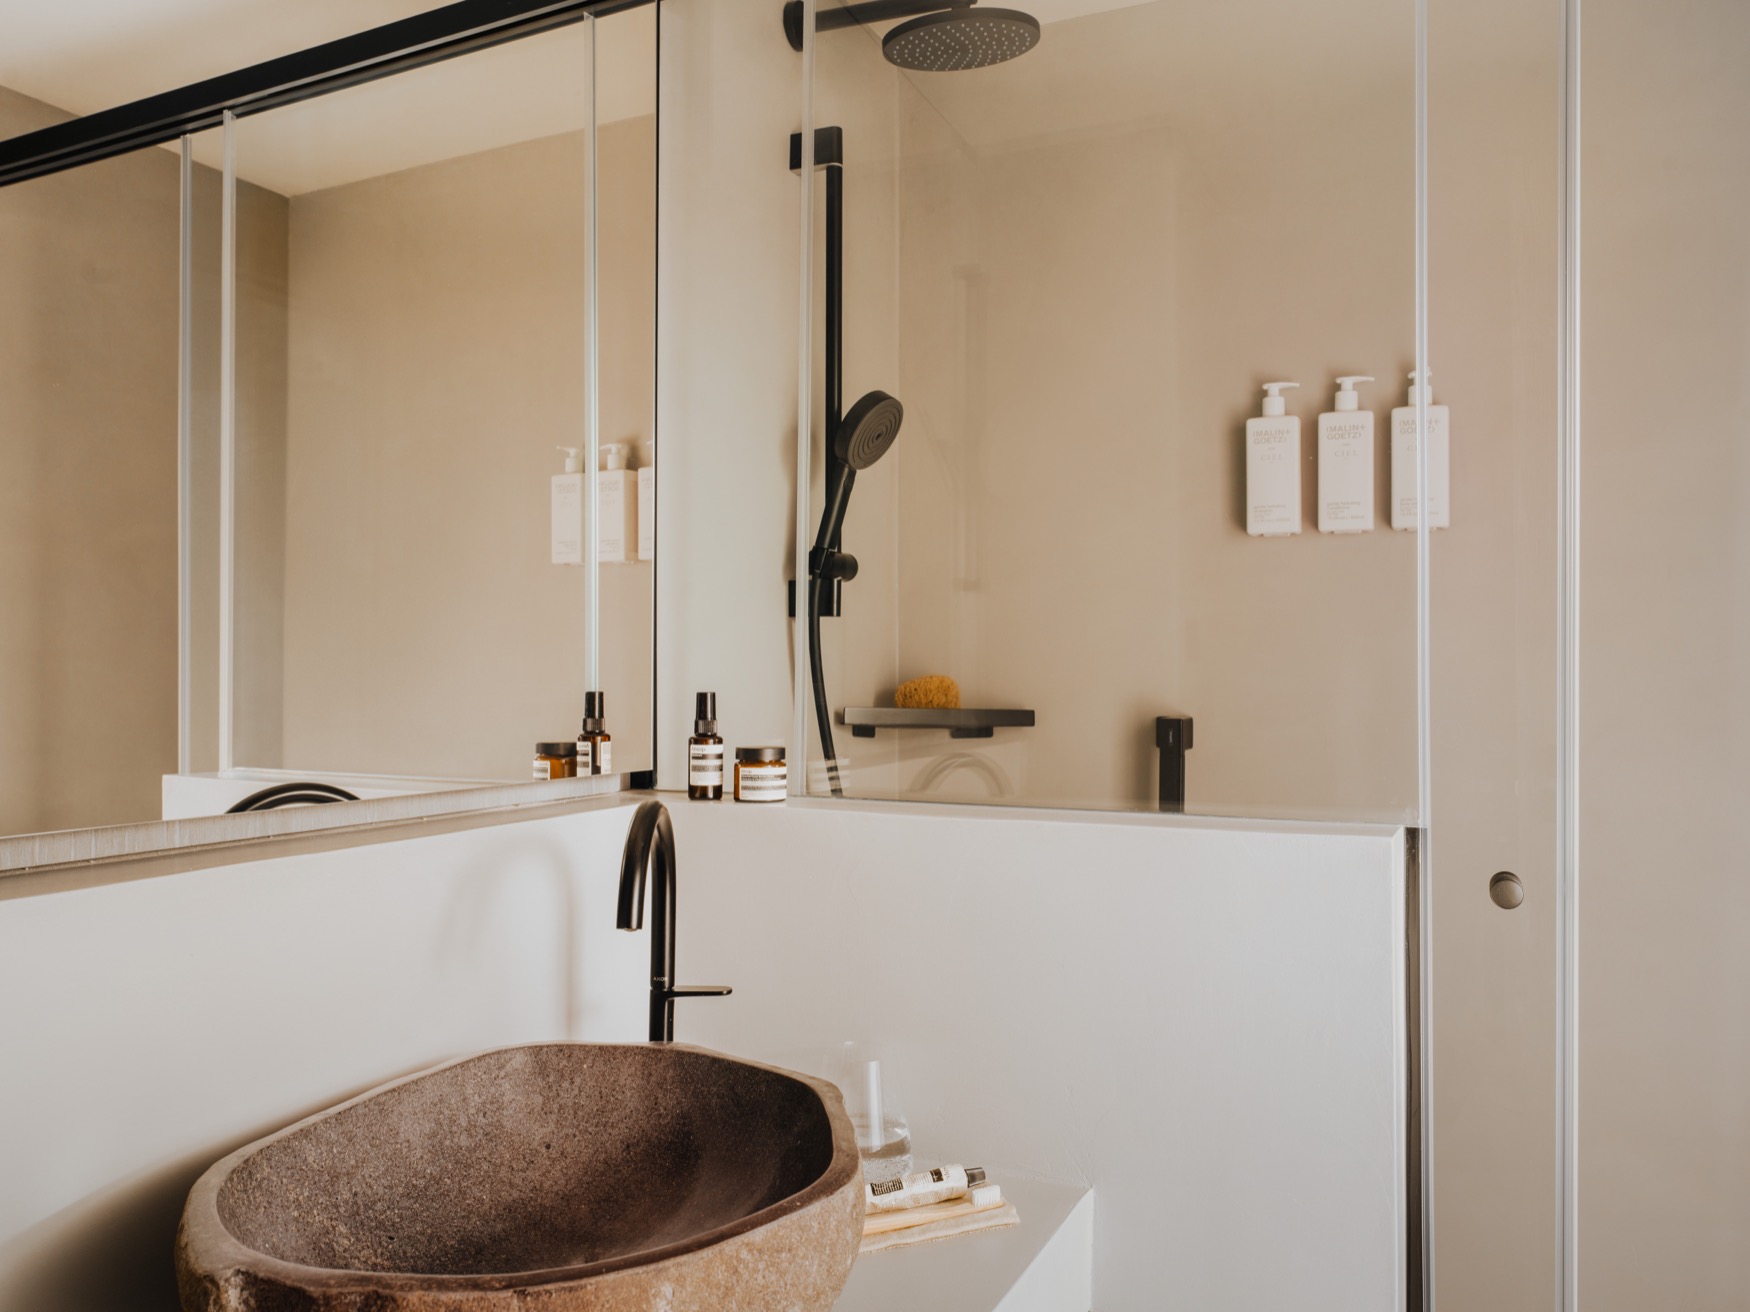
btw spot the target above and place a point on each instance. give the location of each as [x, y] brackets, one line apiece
[961, 722]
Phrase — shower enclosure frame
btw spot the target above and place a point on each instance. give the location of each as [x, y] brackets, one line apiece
[428, 38]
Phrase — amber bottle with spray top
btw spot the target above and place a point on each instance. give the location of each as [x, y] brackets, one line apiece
[705, 752]
[595, 746]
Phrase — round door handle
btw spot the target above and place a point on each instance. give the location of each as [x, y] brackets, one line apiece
[1505, 890]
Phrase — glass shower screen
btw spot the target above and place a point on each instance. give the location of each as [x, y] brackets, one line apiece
[1074, 269]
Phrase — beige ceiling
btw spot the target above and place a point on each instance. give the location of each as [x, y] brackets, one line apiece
[87, 55]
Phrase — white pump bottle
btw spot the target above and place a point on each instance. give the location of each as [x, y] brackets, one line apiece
[617, 501]
[567, 510]
[1273, 468]
[1403, 459]
[647, 503]
[1346, 462]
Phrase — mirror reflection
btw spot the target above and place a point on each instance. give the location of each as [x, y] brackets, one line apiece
[412, 353]
[88, 477]
[374, 493]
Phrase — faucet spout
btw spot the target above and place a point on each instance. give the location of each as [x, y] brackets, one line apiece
[650, 848]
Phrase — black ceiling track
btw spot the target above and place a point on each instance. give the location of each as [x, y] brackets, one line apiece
[455, 29]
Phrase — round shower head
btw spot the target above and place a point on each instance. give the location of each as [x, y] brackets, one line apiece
[960, 38]
[868, 430]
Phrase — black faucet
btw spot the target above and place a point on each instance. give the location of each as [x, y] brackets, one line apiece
[1173, 737]
[649, 842]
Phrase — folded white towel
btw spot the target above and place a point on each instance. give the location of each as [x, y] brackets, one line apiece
[946, 1220]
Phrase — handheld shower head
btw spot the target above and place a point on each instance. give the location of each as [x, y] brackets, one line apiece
[868, 430]
[864, 435]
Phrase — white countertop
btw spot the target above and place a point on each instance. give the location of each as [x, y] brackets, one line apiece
[1043, 1264]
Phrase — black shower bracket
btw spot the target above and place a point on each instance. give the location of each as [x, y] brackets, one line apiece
[830, 17]
[829, 148]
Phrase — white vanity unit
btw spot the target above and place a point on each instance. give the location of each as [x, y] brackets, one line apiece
[1043, 1264]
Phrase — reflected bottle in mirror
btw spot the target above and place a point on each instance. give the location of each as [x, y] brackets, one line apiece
[595, 746]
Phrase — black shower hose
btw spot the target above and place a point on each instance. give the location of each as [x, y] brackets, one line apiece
[817, 671]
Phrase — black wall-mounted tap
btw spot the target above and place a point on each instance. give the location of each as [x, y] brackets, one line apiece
[650, 843]
[1173, 737]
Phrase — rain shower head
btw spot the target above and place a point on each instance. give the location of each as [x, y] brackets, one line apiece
[961, 38]
[942, 36]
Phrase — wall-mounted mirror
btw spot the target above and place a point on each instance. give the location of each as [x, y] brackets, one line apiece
[401, 300]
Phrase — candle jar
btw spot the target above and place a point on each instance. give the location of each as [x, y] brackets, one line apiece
[761, 775]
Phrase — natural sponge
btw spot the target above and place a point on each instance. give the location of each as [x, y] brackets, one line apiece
[935, 692]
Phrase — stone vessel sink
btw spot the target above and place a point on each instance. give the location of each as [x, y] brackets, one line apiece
[561, 1175]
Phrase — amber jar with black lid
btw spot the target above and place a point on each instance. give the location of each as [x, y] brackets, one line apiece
[761, 775]
[555, 760]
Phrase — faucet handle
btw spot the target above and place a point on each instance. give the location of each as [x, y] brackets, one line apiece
[700, 991]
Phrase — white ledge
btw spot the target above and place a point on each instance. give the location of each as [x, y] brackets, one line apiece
[32, 853]
[1044, 1264]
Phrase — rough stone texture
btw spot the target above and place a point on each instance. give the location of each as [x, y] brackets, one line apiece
[608, 1177]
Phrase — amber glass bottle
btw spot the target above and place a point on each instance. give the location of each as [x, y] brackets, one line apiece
[595, 746]
[705, 752]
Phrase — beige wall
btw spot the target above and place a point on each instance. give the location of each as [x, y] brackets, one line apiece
[1665, 659]
[88, 315]
[89, 259]
[434, 316]
[1664, 1072]
[1493, 316]
[1102, 250]
[263, 410]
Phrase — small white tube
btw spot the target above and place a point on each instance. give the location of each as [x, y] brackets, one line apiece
[921, 1188]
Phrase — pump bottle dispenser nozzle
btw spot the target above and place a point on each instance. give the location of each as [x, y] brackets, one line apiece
[572, 456]
[1273, 402]
[1347, 397]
